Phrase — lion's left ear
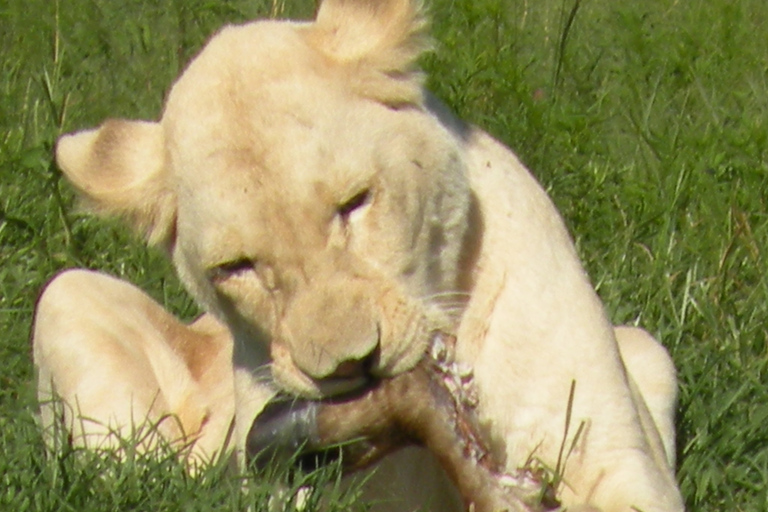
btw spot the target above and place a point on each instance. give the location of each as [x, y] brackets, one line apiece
[377, 44]
[119, 169]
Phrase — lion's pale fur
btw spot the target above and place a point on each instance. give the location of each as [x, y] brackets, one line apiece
[118, 359]
[268, 136]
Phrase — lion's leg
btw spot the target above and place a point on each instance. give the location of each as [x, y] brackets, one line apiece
[118, 360]
[653, 372]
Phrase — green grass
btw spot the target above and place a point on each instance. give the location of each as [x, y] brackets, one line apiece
[646, 121]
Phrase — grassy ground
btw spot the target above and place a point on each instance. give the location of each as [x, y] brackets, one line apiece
[646, 121]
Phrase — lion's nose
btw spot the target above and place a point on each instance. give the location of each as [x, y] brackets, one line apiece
[333, 333]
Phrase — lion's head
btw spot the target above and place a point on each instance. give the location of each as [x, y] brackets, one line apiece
[306, 196]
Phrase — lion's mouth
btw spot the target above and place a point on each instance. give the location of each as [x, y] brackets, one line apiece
[342, 386]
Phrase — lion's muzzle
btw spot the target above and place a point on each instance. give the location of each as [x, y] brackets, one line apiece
[331, 333]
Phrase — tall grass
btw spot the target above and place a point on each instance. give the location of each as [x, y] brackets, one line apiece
[646, 121]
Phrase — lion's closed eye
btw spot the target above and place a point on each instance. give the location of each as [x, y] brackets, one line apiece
[233, 268]
[354, 204]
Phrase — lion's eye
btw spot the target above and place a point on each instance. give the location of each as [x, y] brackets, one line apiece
[230, 269]
[354, 203]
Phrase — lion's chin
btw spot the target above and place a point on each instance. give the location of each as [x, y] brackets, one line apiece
[293, 382]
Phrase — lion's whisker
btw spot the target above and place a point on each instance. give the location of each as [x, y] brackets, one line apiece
[447, 294]
[263, 373]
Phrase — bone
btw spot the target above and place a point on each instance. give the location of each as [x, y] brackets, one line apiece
[431, 405]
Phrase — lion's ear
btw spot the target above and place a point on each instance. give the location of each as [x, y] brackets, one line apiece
[377, 43]
[119, 169]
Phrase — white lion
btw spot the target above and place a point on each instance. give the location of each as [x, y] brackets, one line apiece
[327, 211]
